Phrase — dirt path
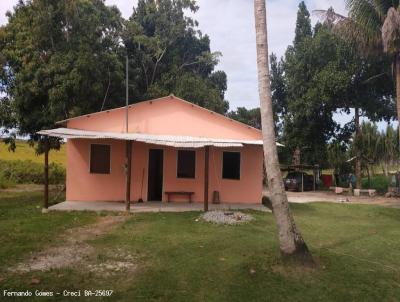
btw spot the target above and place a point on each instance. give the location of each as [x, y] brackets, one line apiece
[327, 196]
[75, 248]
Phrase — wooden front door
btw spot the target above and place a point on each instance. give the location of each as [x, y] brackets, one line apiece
[155, 179]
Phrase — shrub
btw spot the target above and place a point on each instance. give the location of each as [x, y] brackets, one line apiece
[26, 171]
[378, 182]
[5, 183]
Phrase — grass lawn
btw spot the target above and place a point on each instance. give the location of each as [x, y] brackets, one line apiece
[181, 259]
[24, 229]
[25, 152]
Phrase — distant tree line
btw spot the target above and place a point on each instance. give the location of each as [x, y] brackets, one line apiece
[374, 149]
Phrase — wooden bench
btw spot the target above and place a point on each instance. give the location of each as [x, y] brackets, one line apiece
[188, 194]
[340, 190]
[370, 192]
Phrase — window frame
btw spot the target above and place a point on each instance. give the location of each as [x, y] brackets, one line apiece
[90, 159]
[240, 166]
[177, 164]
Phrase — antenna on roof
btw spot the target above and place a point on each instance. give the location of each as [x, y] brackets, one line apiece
[127, 95]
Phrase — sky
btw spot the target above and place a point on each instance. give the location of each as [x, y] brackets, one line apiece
[230, 25]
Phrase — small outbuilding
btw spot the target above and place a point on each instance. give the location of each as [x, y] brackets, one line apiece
[162, 150]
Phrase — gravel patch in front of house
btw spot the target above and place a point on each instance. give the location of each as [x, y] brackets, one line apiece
[226, 217]
[54, 258]
[111, 267]
[112, 262]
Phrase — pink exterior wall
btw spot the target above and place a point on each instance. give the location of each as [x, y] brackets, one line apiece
[83, 186]
[169, 116]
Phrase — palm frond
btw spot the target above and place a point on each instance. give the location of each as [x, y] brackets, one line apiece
[365, 41]
[391, 31]
[328, 15]
[363, 13]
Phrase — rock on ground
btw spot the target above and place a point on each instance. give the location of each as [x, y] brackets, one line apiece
[226, 217]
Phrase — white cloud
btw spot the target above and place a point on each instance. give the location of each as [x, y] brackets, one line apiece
[5, 5]
[125, 6]
[230, 24]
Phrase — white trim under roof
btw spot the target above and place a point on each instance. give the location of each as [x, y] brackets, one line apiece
[164, 140]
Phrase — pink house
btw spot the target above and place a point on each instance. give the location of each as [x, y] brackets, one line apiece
[165, 149]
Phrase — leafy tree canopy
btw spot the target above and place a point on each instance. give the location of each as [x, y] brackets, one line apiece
[324, 75]
[169, 55]
[251, 117]
[63, 58]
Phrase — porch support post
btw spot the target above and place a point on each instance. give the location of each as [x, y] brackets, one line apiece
[46, 173]
[206, 172]
[315, 177]
[128, 165]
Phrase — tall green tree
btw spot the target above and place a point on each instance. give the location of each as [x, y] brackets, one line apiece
[303, 29]
[308, 123]
[370, 87]
[60, 56]
[325, 75]
[63, 58]
[372, 27]
[7, 115]
[170, 55]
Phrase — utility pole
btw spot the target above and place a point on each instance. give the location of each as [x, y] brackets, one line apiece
[127, 94]
[128, 146]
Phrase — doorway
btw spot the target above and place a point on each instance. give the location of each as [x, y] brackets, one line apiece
[155, 179]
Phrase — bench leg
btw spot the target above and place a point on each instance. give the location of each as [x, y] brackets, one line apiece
[190, 198]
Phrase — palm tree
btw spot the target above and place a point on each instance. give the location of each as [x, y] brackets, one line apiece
[372, 27]
[337, 158]
[368, 147]
[388, 148]
[291, 242]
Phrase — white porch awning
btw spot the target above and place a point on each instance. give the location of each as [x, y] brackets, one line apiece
[165, 140]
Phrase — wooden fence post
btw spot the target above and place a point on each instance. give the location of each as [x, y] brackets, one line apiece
[128, 175]
[46, 173]
[206, 169]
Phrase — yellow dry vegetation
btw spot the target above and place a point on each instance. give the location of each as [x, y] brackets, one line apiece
[26, 152]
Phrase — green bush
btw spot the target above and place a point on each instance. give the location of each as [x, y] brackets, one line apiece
[378, 182]
[26, 171]
[5, 183]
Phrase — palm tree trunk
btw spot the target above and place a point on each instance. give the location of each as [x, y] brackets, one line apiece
[358, 155]
[386, 168]
[292, 245]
